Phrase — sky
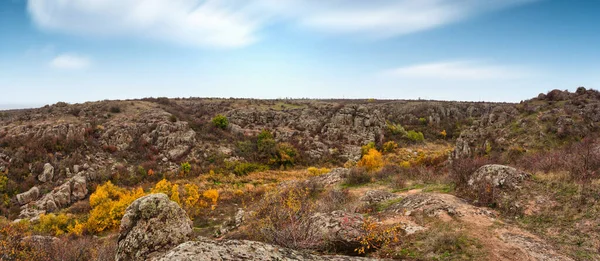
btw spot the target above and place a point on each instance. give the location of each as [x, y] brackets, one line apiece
[467, 50]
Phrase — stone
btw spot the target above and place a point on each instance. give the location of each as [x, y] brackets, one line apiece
[152, 224]
[337, 230]
[376, 196]
[232, 223]
[233, 250]
[29, 196]
[79, 187]
[498, 176]
[47, 174]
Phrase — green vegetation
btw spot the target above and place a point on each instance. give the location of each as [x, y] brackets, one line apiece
[220, 122]
[415, 136]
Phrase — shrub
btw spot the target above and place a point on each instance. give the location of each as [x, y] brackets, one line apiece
[357, 176]
[423, 121]
[57, 225]
[115, 109]
[282, 219]
[212, 195]
[390, 146]
[220, 122]
[376, 236]
[371, 161]
[285, 156]
[366, 148]
[316, 171]
[12, 245]
[396, 129]
[443, 134]
[415, 136]
[108, 204]
[265, 144]
[186, 167]
[387, 171]
[173, 118]
[462, 169]
[244, 168]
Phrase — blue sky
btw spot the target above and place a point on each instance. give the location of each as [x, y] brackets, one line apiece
[494, 50]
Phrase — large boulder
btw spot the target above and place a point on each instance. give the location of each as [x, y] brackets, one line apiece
[338, 230]
[234, 250]
[500, 186]
[497, 176]
[47, 174]
[151, 225]
[78, 187]
[28, 196]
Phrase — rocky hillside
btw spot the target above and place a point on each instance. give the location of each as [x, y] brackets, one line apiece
[182, 179]
[548, 121]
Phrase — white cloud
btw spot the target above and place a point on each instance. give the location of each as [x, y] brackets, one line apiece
[383, 18]
[235, 23]
[227, 23]
[70, 61]
[459, 70]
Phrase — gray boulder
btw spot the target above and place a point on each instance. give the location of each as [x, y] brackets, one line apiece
[29, 196]
[233, 250]
[151, 225]
[498, 176]
[337, 230]
[78, 187]
[47, 174]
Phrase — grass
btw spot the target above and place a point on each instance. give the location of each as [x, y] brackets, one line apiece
[441, 241]
[386, 204]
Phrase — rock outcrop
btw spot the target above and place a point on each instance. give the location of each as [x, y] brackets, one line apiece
[47, 174]
[60, 197]
[337, 230]
[152, 224]
[233, 250]
[28, 196]
[497, 176]
[376, 196]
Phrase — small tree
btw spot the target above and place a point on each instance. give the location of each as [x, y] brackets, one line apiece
[371, 161]
[415, 136]
[220, 122]
[390, 146]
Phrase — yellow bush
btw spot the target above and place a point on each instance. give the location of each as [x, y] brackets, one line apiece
[175, 194]
[108, 204]
[377, 236]
[316, 171]
[366, 148]
[54, 224]
[76, 229]
[213, 196]
[371, 161]
[443, 134]
[405, 164]
[163, 186]
[390, 146]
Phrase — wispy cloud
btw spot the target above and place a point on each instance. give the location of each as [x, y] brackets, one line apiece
[385, 18]
[70, 62]
[459, 70]
[235, 23]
